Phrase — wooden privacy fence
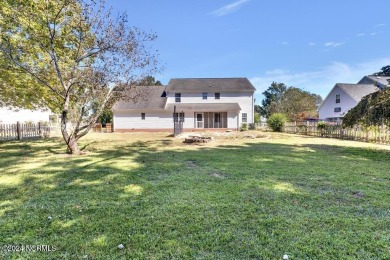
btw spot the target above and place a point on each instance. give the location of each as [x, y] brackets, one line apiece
[375, 134]
[100, 129]
[20, 131]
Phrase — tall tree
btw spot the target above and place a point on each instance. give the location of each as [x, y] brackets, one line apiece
[298, 104]
[73, 57]
[295, 103]
[273, 96]
[385, 72]
[149, 81]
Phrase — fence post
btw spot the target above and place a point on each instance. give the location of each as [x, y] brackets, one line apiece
[307, 127]
[39, 129]
[18, 130]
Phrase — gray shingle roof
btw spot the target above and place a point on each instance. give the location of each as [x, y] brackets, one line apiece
[205, 107]
[151, 98]
[358, 91]
[209, 84]
[381, 80]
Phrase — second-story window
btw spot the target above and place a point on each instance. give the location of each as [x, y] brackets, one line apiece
[338, 98]
[204, 95]
[143, 116]
[337, 109]
[217, 95]
[177, 97]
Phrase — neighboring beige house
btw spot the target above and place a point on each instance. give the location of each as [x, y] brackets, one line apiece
[343, 97]
[11, 116]
[203, 103]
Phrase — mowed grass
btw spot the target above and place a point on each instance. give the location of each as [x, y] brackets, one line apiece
[235, 198]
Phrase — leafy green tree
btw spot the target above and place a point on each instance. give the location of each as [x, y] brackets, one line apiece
[298, 104]
[257, 118]
[258, 109]
[385, 72]
[273, 96]
[373, 109]
[149, 81]
[71, 56]
[276, 122]
[295, 103]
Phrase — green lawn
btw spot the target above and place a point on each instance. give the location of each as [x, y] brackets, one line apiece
[235, 198]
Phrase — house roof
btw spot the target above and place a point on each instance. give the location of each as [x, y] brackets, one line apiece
[210, 84]
[151, 97]
[358, 91]
[205, 107]
[382, 80]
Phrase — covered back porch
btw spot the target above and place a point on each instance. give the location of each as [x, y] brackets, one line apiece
[207, 116]
[210, 120]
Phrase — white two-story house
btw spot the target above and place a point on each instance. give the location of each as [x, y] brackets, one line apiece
[343, 97]
[202, 103]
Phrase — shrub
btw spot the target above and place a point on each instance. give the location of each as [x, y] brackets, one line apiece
[302, 128]
[244, 127]
[276, 122]
[257, 118]
[321, 125]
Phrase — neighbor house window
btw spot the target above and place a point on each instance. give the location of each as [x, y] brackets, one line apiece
[244, 117]
[143, 116]
[338, 98]
[337, 109]
[177, 97]
[217, 95]
[204, 95]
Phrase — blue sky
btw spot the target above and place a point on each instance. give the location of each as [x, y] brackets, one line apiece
[307, 44]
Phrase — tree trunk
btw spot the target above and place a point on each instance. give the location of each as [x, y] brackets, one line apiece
[72, 146]
[70, 140]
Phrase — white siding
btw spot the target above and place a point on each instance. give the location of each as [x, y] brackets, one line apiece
[327, 108]
[131, 119]
[23, 115]
[244, 99]
[162, 119]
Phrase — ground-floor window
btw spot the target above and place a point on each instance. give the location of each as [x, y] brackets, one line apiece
[333, 119]
[217, 118]
[178, 116]
[244, 117]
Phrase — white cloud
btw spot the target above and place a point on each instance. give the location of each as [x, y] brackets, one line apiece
[380, 25]
[319, 81]
[227, 9]
[360, 34]
[333, 44]
[312, 43]
[284, 43]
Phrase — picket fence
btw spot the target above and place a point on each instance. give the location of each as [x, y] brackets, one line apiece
[374, 134]
[21, 131]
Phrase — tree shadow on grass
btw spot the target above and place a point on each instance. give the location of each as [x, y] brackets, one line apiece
[272, 199]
